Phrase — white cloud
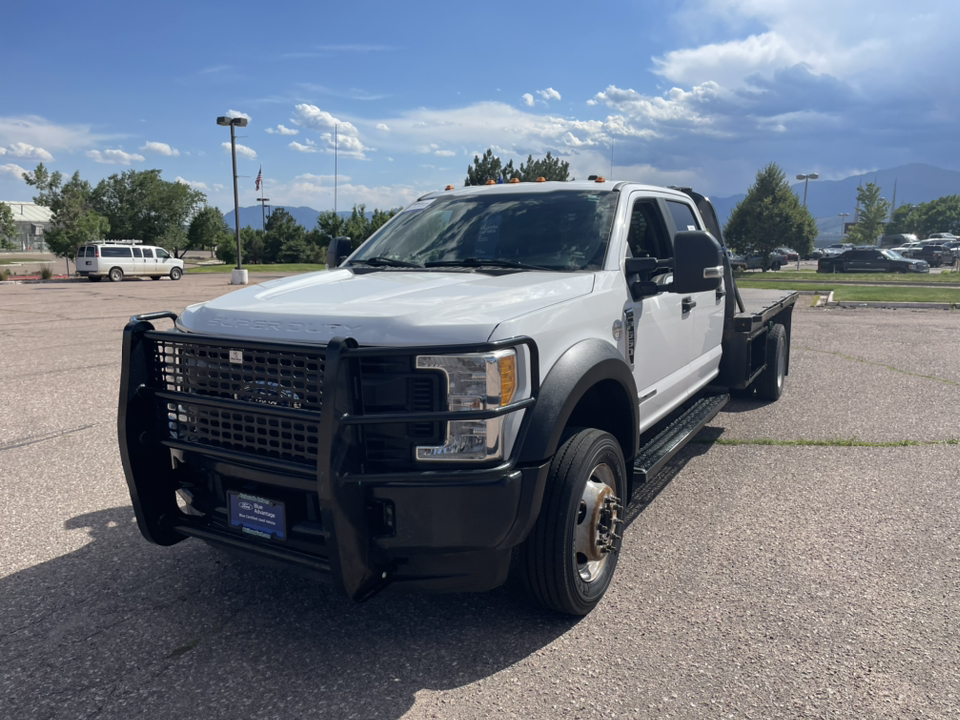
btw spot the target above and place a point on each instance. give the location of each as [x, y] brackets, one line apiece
[218, 187]
[114, 157]
[195, 184]
[41, 133]
[237, 114]
[383, 127]
[241, 150]
[317, 191]
[12, 169]
[160, 148]
[527, 99]
[549, 94]
[310, 147]
[310, 116]
[445, 153]
[25, 150]
[281, 130]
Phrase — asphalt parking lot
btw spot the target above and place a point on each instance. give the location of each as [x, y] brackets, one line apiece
[799, 560]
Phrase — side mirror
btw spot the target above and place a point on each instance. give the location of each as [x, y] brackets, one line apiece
[698, 262]
[338, 251]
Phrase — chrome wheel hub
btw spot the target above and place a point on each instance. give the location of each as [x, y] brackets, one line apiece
[598, 523]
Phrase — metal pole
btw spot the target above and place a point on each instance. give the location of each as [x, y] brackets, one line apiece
[805, 181]
[336, 160]
[236, 194]
[263, 213]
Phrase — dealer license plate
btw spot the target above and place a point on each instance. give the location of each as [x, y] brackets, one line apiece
[257, 516]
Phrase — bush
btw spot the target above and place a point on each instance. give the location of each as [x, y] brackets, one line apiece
[4, 274]
[45, 272]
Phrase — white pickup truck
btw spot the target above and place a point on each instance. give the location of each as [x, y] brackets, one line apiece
[495, 370]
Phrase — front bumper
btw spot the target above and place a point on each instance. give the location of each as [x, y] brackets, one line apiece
[436, 528]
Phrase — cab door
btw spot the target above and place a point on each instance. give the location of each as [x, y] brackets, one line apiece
[704, 308]
[164, 262]
[659, 332]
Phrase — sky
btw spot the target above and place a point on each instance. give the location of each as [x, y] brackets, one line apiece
[691, 92]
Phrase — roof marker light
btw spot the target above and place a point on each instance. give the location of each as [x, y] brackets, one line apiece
[449, 187]
[515, 180]
[601, 178]
[491, 181]
[541, 179]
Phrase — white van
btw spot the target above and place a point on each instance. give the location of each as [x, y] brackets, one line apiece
[126, 257]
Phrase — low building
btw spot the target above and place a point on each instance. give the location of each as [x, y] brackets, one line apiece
[31, 220]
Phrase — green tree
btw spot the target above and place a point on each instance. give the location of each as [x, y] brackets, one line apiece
[207, 229]
[872, 217]
[548, 168]
[281, 229]
[8, 229]
[380, 218]
[770, 216]
[331, 225]
[75, 219]
[905, 219]
[489, 167]
[141, 205]
[940, 215]
[252, 242]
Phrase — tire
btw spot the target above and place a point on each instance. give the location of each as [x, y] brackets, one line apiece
[774, 266]
[770, 382]
[571, 553]
[116, 274]
[176, 273]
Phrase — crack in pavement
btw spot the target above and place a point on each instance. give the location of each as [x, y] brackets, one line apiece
[883, 365]
[22, 442]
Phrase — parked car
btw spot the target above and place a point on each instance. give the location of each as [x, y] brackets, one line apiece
[871, 259]
[897, 240]
[935, 254]
[117, 259]
[815, 254]
[737, 262]
[908, 249]
[942, 236]
[789, 254]
[755, 262]
[954, 246]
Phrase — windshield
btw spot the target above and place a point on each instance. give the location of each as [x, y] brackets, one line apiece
[892, 255]
[563, 230]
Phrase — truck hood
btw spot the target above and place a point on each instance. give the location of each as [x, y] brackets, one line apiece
[392, 308]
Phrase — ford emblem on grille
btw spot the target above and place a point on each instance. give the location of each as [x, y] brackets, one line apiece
[268, 393]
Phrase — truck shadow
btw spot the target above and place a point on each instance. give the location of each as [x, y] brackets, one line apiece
[126, 629]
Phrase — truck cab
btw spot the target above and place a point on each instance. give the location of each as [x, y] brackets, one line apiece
[494, 370]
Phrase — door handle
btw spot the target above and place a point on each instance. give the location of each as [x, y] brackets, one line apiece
[688, 304]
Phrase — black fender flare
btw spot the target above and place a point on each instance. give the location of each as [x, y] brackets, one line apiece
[579, 369]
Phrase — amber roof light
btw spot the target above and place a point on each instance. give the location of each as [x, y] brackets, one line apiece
[515, 180]
[491, 181]
[449, 187]
[601, 179]
[541, 179]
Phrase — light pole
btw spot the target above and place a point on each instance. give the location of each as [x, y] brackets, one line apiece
[806, 178]
[843, 222]
[238, 276]
[263, 211]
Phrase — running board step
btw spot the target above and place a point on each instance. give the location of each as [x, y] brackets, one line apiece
[656, 453]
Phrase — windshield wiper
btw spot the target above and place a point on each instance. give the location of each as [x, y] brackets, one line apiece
[385, 262]
[485, 262]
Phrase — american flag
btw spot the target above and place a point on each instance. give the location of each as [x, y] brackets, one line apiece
[259, 178]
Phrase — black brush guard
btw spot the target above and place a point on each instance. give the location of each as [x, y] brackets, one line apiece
[442, 510]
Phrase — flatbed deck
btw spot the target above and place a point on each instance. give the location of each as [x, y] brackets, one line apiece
[761, 305]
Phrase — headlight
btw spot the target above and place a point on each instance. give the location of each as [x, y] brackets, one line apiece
[478, 381]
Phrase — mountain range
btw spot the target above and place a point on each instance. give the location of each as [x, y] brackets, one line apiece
[826, 199]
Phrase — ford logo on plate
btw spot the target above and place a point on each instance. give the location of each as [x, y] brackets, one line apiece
[246, 506]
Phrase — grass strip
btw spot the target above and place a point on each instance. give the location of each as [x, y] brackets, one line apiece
[863, 293]
[836, 442]
[804, 276]
[278, 268]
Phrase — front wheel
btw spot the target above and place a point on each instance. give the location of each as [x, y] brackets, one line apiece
[571, 553]
[774, 266]
[116, 274]
[176, 273]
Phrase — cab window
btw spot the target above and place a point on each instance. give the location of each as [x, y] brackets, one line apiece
[137, 253]
[683, 217]
[647, 235]
[161, 253]
[148, 253]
